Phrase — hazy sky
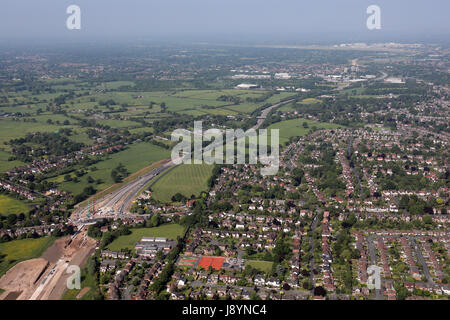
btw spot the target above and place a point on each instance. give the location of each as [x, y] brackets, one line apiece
[233, 19]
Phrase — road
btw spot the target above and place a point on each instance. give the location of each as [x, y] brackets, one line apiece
[354, 172]
[312, 248]
[117, 203]
[418, 249]
[265, 113]
[259, 122]
[373, 261]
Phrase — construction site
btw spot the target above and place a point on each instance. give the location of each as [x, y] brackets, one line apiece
[45, 278]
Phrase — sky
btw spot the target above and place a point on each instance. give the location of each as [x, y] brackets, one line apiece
[309, 21]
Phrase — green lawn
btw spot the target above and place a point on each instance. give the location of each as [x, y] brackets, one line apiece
[21, 250]
[10, 205]
[170, 231]
[264, 266]
[294, 128]
[186, 179]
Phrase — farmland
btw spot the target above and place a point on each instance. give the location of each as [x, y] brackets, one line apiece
[8, 165]
[186, 179]
[10, 205]
[10, 129]
[170, 231]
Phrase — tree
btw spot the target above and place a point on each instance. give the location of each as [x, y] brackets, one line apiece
[91, 265]
[401, 292]
[307, 285]
[320, 291]
[155, 220]
[107, 238]
[427, 220]
[178, 197]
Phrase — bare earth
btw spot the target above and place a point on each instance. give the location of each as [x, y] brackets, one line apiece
[45, 278]
[22, 278]
[83, 292]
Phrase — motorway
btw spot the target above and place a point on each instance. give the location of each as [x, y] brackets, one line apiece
[265, 112]
[117, 203]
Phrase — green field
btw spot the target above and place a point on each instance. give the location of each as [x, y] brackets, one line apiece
[170, 231]
[294, 128]
[15, 129]
[136, 157]
[265, 266]
[21, 250]
[191, 102]
[10, 205]
[187, 179]
[310, 101]
[6, 165]
[188, 102]
[116, 84]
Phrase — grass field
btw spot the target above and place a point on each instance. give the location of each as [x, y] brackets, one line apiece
[10, 205]
[294, 128]
[264, 266]
[170, 231]
[191, 102]
[6, 165]
[186, 179]
[136, 157]
[15, 129]
[21, 250]
[310, 101]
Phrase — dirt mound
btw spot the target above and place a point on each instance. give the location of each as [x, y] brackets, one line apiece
[46, 278]
[83, 292]
[12, 295]
[56, 250]
[23, 278]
